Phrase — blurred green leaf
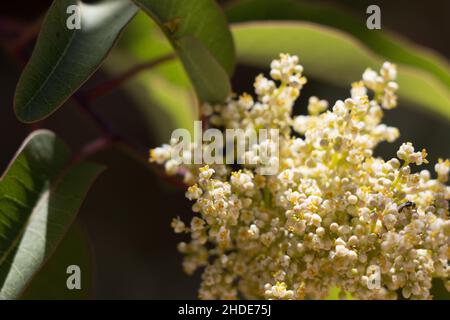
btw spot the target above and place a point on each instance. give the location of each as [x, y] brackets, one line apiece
[162, 95]
[334, 294]
[143, 41]
[333, 56]
[386, 44]
[199, 33]
[50, 282]
[64, 59]
[162, 105]
[39, 198]
[178, 104]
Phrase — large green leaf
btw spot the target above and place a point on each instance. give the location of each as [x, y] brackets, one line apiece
[334, 56]
[382, 42]
[50, 283]
[39, 198]
[64, 59]
[199, 33]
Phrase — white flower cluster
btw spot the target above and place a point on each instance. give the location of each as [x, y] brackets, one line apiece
[332, 211]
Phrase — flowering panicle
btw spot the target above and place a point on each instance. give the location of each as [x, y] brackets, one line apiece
[331, 212]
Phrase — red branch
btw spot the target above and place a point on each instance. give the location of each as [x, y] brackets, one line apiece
[27, 35]
[92, 148]
[110, 85]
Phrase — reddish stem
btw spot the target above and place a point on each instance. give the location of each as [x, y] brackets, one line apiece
[109, 137]
[85, 106]
[29, 34]
[110, 85]
[10, 28]
[92, 148]
[175, 181]
[20, 36]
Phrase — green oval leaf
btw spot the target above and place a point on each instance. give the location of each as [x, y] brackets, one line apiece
[383, 42]
[39, 198]
[333, 56]
[64, 59]
[199, 34]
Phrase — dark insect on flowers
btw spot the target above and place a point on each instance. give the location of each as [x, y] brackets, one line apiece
[407, 204]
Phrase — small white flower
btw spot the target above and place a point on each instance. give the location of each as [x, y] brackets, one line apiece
[178, 225]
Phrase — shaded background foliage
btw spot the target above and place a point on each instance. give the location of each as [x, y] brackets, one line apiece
[126, 216]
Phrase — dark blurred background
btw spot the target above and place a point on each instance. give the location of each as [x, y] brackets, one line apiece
[126, 215]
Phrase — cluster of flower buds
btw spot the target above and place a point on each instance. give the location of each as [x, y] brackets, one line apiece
[331, 213]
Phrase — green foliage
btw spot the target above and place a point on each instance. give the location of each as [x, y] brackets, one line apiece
[333, 56]
[64, 59]
[40, 195]
[162, 95]
[50, 282]
[143, 41]
[334, 294]
[199, 33]
[384, 43]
